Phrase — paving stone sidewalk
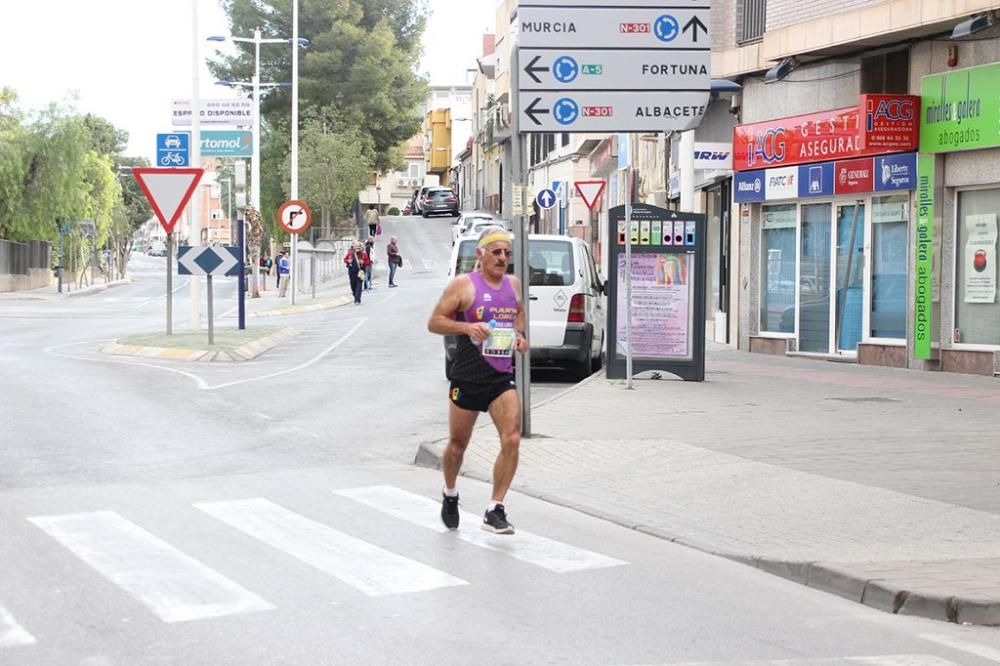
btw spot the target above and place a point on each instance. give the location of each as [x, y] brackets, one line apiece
[879, 485]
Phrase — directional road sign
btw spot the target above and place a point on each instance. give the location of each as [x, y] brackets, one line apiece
[590, 66]
[294, 216]
[168, 191]
[172, 149]
[614, 27]
[588, 69]
[611, 111]
[208, 260]
[546, 198]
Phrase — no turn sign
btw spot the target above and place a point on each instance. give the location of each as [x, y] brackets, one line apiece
[294, 216]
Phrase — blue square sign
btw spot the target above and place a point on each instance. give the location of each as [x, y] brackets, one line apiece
[172, 149]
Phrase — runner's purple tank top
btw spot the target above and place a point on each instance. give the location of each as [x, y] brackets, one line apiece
[500, 307]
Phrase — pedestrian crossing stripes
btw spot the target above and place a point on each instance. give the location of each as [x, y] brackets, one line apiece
[11, 633]
[174, 586]
[364, 566]
[530, 548]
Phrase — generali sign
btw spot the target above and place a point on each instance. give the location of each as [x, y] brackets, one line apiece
[879, 124]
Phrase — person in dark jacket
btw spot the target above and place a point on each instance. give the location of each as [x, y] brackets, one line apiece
[356, 261]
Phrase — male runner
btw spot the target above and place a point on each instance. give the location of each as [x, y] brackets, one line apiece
[484, 310]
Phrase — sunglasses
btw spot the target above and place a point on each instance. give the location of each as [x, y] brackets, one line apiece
[501, 252]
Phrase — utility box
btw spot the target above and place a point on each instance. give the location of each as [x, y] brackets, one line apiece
[667, 305]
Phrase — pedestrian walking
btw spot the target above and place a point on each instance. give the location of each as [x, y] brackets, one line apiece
[371, 218]
[265, 269]
[483, 309]
[395, 259]
[369, 246]
[284, 273]
[356, 261]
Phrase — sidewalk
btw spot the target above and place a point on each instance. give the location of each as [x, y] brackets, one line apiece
[879, 485]
[51, 291]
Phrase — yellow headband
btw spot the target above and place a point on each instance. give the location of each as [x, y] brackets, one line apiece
[493, 238]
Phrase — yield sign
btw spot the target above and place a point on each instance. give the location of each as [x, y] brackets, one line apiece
[590, 190]
[168, 191]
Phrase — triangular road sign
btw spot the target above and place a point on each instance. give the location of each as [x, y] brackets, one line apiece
[590, 190]
[168, 191]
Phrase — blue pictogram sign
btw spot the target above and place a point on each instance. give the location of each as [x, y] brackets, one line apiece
[666, 28]
[565, 69]
[565, 111]
[172, 149]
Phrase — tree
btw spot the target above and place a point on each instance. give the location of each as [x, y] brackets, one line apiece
[13, 161]
[333, 167]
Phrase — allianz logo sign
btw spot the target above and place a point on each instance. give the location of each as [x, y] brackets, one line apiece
[749, 186]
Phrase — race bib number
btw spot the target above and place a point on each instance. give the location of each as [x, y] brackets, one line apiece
[500, 343]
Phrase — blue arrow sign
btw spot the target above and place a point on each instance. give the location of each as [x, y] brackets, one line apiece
[546, 198]
[208, 260]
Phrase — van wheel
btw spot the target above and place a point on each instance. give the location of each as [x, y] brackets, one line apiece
[598, 363]
[580, 370]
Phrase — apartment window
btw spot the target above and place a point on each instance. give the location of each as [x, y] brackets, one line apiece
[754, 20]
[414, 170]
[565, 138]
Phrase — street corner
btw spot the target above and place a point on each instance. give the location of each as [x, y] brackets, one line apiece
[429, 454]
[231, 345]
[299, 308]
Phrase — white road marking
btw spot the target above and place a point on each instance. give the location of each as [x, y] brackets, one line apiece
[361, 565]
[301, 366]
[965, 646]
[173, 585]
[882, 660]
[11, 633]
[540, 551]
[201, 383]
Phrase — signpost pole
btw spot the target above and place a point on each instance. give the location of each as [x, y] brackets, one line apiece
[195, 235]
[170, 283]
[628, 280]
[211, 312]
[242, 300]
[522, 372]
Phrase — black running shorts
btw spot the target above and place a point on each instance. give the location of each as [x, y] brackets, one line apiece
[479, 397]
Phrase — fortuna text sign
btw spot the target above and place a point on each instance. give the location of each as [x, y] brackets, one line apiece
[585, 67]
[214, 111]
[576, 69]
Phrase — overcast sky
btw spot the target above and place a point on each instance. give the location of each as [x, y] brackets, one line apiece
[126, 60]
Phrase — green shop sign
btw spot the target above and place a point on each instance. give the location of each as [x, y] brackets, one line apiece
[924, 276]
[960, 110]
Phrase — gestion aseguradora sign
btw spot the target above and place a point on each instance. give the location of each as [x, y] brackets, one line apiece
[960, 110]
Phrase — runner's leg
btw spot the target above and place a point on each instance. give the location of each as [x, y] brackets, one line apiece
[505, 411]
[460, 423]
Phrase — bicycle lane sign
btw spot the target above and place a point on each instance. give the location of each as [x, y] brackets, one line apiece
[173, 149]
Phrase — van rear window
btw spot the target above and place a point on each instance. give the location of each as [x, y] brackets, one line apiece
[550, 262]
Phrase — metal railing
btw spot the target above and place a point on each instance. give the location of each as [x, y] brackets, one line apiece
[754, 20]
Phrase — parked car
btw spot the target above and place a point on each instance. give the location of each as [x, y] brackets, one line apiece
[158, 249]
[418, 197]
[566, 316]
[473, 223]
[439, 200]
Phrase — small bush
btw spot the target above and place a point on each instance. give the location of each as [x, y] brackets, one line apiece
[393, 211]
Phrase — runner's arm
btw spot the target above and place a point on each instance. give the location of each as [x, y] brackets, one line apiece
[454, 299]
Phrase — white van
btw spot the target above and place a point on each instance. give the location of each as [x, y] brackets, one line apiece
[566, 308]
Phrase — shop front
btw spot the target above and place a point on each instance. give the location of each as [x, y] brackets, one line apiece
[827, 201]
[956, 313]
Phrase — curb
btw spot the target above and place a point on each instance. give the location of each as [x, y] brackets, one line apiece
[244, 352]
[97, 288]
[298, 309]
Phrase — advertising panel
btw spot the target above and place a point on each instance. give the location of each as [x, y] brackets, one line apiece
[896, 172]
[748, 186]
[781, 183]
[816, 180]
[828, 135]
[853, 176]
[661, 305]
[960, 110]
[981, 258]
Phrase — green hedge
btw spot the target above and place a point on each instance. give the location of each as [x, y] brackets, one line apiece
[393, 211]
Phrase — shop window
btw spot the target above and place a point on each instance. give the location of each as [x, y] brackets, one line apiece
[777, 274]
[977, 313]
[890, 224]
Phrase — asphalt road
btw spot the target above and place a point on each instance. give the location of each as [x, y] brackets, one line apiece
[267, 513]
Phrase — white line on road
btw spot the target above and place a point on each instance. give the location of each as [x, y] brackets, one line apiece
[301, 366]
[881, 660]
[965, 646]
[173, 585]
[11, 633]
[161, 297]
[537, 550]
[202, 384]
[362, 565]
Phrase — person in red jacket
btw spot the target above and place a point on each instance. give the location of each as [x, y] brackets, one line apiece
[357, 260]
